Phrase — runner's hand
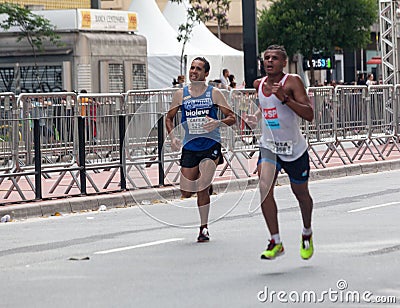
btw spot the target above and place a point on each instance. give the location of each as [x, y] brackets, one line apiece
[251, 120]
[175, 145]
[211, 124]
[277, 89]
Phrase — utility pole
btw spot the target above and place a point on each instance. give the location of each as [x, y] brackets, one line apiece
[250, 41]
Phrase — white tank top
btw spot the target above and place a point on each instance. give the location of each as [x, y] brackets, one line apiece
[280, 126]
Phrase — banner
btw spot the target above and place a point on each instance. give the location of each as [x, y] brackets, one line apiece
[107, 20]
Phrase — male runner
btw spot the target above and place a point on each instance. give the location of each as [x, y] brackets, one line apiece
[283, 101]
[201, 151]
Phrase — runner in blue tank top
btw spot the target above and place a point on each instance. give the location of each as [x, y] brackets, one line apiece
[201, 151]
[283, 101]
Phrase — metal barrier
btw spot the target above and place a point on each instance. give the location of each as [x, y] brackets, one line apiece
[380, 119]
[79, 144]
[10, 139]
[56, 121]
[320, 134]
[101, 114]
[242, 142]
[55, 116]
[9, 131]
[145, 141]
[393, 112]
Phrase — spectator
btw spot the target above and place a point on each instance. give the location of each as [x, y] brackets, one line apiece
[370, 79]
[232, 82]
[225, 78]
[361, 80]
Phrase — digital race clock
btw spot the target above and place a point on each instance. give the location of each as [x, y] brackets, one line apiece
[318, 63]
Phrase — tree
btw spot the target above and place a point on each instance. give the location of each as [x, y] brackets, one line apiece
[34, 28]
[317, 26]
[201, 11]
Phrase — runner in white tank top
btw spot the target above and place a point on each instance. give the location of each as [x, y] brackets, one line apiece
[280, 126]
[283, 101]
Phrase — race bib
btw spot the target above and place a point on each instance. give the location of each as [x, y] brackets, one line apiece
[280, 147]
[195, 125]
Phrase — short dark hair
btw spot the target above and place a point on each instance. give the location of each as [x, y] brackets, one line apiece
[278, 48]
[206, 63]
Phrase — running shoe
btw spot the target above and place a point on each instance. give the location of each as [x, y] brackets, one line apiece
[273, 250]
[204, 236]
[306, 247]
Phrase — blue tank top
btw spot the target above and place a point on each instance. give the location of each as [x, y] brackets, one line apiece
[194, 112]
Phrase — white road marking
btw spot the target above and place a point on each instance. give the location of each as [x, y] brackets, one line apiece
[372, 207]
[138, 246]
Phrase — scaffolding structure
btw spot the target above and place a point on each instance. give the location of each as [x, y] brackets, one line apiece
[389, 18]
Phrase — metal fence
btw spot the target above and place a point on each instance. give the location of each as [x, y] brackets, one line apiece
[59, 144]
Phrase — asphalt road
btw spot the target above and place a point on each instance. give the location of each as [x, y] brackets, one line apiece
[147, 256]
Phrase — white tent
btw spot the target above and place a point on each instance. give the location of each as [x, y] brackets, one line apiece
[164, 50]
[221, 55]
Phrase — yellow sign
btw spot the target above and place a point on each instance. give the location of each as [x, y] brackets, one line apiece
[132, 21]
[86, 19]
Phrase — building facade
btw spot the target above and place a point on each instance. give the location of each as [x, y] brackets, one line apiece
[99, 53]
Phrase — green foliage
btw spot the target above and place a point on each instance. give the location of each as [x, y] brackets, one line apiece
[212, 10]
[36, 29]
[308, 26]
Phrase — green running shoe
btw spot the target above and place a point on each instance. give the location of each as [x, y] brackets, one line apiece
[306, 247]
[273, 250]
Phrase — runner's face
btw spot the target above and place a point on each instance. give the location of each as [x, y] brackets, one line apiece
[197, 72]
[274, 62]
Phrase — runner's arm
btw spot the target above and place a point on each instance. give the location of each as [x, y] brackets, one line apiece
[220, 101]
[299, 101]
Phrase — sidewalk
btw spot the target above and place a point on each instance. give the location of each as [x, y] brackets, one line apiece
[227, 182]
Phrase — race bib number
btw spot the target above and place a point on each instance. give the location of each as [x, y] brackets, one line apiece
[195, 125]
[280, 147]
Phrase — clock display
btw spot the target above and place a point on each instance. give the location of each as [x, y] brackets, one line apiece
[318, 63]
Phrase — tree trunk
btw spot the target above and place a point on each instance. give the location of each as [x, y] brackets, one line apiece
[182, 57]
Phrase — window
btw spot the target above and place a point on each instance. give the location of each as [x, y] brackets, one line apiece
[139, 76]
[116, 78]
[46, 78]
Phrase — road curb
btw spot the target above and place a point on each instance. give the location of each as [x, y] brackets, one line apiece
[54, 207]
